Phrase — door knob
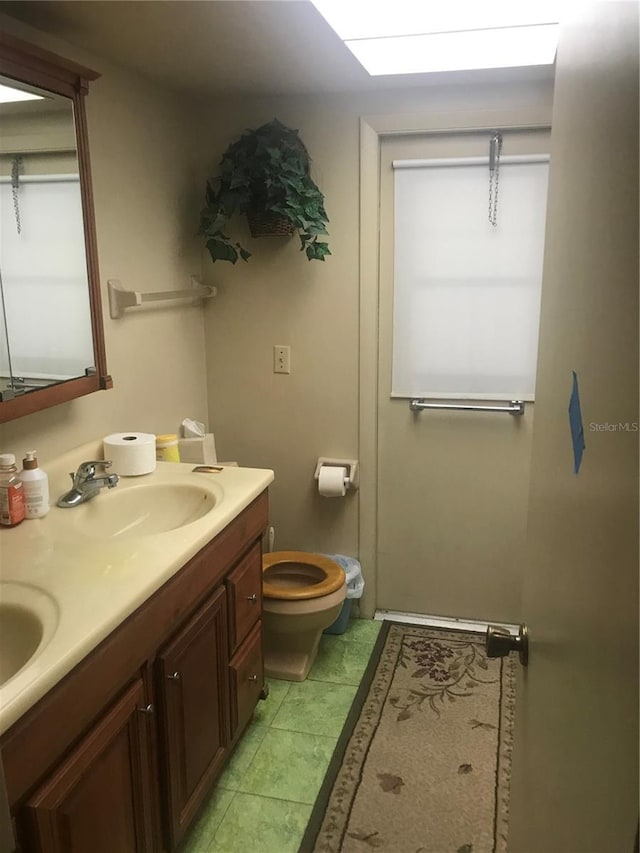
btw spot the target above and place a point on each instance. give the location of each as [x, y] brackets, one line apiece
[500, 642]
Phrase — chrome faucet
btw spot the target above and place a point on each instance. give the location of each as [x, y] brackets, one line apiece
[86, 485]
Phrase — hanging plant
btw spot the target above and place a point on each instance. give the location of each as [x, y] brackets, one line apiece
[265, 176]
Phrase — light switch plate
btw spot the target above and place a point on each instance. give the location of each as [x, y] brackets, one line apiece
[281, 359]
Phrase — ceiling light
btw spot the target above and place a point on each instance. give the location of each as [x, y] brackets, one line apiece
[9, 95]
[504, 48]
[405, 37]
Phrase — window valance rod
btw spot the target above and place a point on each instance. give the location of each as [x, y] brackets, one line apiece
[469, 161]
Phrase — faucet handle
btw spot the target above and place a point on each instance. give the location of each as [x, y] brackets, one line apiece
[86, 470]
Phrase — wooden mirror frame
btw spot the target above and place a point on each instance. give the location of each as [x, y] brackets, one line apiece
[29, 64]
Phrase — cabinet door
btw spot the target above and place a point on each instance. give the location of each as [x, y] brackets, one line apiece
[99, 799]
[193, 668]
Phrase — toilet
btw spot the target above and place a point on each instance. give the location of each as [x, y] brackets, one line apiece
[302, 594]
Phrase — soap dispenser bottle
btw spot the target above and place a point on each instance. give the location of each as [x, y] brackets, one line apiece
[35, 485]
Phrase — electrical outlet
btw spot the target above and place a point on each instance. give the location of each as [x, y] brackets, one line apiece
[281, 359]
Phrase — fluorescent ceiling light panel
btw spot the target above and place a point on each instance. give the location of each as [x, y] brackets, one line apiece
[9, 95]
[353, 19]
[505, 48]
[410, 37]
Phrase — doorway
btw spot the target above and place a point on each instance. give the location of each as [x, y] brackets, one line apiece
[453, 485]
[383, 541]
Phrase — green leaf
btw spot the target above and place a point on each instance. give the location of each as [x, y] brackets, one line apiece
[221, 251]
[317, 251]
[243, 252]
[315, 229]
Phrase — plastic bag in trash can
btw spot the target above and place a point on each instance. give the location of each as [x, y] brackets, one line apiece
[353, 571]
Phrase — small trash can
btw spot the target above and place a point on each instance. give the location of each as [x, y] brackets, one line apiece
[355, 585]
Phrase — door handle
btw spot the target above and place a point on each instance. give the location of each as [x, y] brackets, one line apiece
[500, 642]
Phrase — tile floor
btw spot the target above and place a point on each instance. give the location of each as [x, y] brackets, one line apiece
[264, 797]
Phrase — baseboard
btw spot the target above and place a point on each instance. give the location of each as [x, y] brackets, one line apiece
[442, 621]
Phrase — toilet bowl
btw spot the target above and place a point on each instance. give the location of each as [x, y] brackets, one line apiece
[302, 594]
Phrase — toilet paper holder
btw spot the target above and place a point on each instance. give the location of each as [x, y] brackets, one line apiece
[352, 480]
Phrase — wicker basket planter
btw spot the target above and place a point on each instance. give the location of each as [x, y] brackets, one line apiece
[270, 225]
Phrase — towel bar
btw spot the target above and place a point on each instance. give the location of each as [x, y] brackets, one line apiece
[121, 298]
[515, 407]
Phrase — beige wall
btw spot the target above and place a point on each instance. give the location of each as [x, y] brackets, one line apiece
[286, 422]
[146, 203]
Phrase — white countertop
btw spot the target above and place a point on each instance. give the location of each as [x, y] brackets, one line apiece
[84, 586]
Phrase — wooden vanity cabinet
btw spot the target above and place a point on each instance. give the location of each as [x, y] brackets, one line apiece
[120, 755]
[244, 589]
[100, 798]
[194, 706]
[247, 680]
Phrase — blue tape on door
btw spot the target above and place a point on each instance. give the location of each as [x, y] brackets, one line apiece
[575, 423]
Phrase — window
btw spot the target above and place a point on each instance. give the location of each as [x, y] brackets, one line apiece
[466, 293]
[44, 265]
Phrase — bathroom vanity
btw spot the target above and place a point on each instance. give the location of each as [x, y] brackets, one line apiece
[121, 731]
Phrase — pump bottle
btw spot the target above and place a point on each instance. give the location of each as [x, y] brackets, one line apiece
[35, 485]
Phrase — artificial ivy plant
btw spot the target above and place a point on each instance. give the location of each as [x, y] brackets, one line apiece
[264, 175]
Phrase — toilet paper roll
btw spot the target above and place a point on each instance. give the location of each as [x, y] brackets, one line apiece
[331, 481]
[131, 453]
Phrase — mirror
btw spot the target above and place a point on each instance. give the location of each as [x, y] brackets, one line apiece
[51, 336]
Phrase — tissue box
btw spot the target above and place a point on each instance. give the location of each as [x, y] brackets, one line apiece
[200, 451]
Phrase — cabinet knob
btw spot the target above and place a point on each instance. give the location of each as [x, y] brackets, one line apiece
[175, 676]
[253, 678]
[252, 598]
[147, 710]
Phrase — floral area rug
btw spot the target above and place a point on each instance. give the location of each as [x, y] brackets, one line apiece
[423, 764]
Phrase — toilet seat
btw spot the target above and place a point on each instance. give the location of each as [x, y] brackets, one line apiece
[325, 575]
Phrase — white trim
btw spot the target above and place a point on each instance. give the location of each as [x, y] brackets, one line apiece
[446, 622]
[437, 162]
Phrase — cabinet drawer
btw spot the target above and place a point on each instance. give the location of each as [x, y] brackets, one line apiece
[247, 679]
[244, 586]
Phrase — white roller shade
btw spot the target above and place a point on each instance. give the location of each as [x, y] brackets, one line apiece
[466, 294]
[45, 266]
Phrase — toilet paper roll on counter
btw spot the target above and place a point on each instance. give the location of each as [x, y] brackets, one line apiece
[332, 481]
[131, 453]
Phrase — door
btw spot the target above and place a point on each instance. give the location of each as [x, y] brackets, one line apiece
[452, 485]
[99, 799]
[193, 677]
[575, 772]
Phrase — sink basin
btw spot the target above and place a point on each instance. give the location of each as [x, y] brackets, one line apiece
[143, 510]
[28, 619]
